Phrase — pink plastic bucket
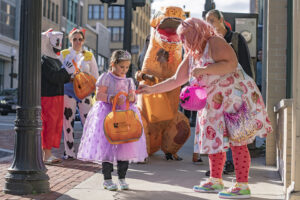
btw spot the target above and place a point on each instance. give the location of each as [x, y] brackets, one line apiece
[193, 98]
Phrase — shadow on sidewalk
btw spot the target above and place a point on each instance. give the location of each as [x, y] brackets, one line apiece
[165, 195]
[44, 196]
[77, 164]
[185, 174]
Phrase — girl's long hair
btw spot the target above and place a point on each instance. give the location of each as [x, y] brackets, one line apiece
[196, 33]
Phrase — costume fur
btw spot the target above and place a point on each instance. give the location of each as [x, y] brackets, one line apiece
[161, 61]
[54, 75]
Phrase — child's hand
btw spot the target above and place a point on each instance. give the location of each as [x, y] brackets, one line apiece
[131, 97]
[120, 101]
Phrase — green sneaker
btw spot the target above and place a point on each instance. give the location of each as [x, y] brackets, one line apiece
[211, 185]
[109, 185]
[239, 191]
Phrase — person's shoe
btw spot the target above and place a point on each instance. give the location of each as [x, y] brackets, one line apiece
[67, 157]
[198, 162]
[207, 173]
[123, 184]
[229, 167]
[109, 185]
[239, 191]
[211, 185]
[52, 160]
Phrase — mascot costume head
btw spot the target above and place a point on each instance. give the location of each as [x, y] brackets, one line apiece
[51, 43]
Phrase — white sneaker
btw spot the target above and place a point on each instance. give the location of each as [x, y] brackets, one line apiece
[109, 185]
[123, 184]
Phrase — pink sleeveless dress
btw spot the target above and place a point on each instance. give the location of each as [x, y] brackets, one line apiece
[226, 93]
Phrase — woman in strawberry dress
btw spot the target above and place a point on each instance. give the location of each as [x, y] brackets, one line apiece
[235, 112]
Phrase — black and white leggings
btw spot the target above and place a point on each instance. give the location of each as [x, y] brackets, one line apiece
[70, 105]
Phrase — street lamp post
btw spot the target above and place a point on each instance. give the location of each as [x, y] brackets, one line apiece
[27, 174]
[127, 26]
[13, 53]
[209, 5]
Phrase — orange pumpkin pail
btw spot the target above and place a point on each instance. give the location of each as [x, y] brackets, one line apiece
[84, 84]
[122, 126]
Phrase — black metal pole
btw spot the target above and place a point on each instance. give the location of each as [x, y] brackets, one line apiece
[12, 71]
[27, 174]
[127, 31]
[127, 26]
[209, 4]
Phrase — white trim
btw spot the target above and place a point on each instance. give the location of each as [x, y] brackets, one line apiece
[7, 150]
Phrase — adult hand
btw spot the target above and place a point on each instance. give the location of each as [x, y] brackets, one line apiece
[144, 89]
[120, 100]
[130, 97]
[196, 72]
[148, 77]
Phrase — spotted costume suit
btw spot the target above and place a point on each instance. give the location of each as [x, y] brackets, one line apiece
[87, 63]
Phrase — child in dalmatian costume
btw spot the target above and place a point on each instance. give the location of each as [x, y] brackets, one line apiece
[87, 63]
[54, 76]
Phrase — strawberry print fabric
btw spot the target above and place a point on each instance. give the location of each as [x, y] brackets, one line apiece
[225, 93]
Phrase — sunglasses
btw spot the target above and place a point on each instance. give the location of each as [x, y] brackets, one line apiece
[79, 39]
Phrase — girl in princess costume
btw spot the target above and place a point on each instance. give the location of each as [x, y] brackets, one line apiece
[87, 63]
[213, 65]
[54, 76]
[94, 146]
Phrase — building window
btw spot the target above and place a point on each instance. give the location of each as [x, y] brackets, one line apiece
[2, 62]
[52, 13]
[44, 8]
[116, 12]
[116, 33]
[96, 12]
[90, 12]
[7, 19]
[72, 13]
[81, 15]
[64, 8]
[75, 13]
[57, 14]
[102, 63]
[49, 8]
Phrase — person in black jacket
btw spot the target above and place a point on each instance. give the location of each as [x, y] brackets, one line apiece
[216, 19]
[54, 75]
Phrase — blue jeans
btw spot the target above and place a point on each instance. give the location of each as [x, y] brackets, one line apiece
[229, 155]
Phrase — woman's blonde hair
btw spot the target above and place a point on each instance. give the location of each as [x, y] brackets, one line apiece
[196, 33]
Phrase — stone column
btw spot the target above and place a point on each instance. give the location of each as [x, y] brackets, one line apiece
[275, 66]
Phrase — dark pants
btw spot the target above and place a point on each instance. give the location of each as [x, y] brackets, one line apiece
[108, 168]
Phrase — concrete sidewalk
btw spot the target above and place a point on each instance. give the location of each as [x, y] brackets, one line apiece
[173, 180]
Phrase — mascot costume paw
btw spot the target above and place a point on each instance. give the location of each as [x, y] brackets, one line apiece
[54, 75]
[165, 127]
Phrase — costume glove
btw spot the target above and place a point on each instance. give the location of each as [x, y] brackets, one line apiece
[84, 65]
[68, 65]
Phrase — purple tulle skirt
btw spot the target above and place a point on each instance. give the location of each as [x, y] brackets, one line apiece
[95, 147]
